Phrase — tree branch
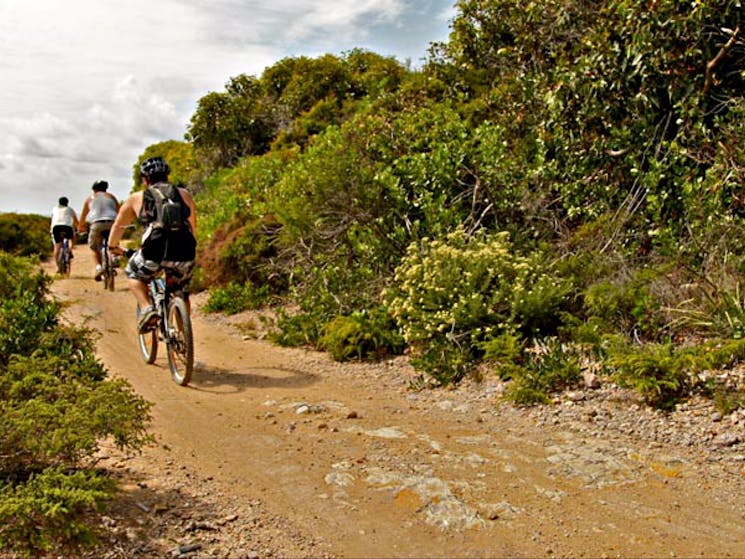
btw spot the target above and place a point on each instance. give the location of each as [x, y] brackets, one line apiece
[718, 58]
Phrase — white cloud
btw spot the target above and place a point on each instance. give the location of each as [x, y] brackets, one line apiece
[89, 84]
[292, 22]
[102, 141]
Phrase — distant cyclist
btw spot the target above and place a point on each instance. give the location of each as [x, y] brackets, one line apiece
[99, 210]
[171, 245]
[64, 223]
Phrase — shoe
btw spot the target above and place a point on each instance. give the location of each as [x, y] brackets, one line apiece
[99, 273]
[147, 318]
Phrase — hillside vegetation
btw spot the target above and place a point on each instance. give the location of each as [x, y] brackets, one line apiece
[57, 407]
[25, 235]
[560, 184]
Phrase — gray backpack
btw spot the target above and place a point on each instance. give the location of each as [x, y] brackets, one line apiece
[164, 207]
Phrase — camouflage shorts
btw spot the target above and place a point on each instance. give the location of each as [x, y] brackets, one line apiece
[97, 232]
[146, 270]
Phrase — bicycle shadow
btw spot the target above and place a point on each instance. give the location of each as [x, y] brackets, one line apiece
[219, 380]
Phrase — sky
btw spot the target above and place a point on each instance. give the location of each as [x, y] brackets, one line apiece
[87, 85]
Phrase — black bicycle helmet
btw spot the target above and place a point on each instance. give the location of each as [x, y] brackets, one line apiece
[100, 186]
[154, 166]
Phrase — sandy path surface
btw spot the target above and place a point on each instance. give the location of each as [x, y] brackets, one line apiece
[343, 460]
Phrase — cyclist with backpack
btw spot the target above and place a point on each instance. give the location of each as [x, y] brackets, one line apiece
[169, 216]
[99, 211]
[64, 222]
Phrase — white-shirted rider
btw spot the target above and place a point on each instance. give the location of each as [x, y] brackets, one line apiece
[64, 223]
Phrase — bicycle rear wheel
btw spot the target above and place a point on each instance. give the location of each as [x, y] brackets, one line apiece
[107, 268]
[109, 274]
[148, 342]
[63, 265]
[180, 342]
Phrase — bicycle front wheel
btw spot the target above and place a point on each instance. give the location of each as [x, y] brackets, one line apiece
[180, 342]
[148, 342]
[109, 276]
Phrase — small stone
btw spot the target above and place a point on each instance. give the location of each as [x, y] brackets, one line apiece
[591, 380]
[726, 439]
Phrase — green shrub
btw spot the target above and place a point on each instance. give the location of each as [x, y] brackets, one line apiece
[362, 335]
[659, 373]
[626, 306]
[664, 374]
[22, 323]
[446, 361]
[453, 294]
[296, 329]
[47, 511]
[726, 399]
[248, 255]
[547, 367]
[25, 235]
[322, 293]
[22, 275]
[503, 349]
[56, 406]
[234, 298]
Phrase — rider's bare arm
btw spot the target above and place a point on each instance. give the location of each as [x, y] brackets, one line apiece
[83, 215]
[126, 215]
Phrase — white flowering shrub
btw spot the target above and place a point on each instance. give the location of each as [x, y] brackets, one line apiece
[452, 294]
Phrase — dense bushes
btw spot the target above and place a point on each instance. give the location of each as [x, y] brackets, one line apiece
[56, 407]
[558, 173]
[25, 235]
[452, 296]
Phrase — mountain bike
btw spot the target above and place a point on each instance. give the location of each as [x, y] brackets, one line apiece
[64, 259]
[173, 328]
[109, 265]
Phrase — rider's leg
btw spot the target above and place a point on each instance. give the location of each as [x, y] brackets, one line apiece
[94, 243]
[57, 247]
[147, 315]
[97, 256]
[56, 244]
[139, 290]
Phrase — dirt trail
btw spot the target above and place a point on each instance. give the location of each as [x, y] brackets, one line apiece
[346, 456]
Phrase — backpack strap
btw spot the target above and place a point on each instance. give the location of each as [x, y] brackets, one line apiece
[158, 198]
